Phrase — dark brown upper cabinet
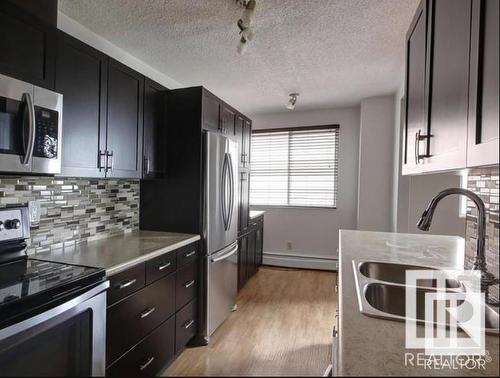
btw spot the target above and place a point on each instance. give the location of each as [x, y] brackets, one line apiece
[211, 111]
[124, 121]
[228, 120]
[451, 108]
[27, 46]
[154, 164]
[415, 109]
[81, 73]
[483, 131]
[448, 78]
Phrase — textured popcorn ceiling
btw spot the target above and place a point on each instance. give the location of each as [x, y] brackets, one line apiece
[334, 52]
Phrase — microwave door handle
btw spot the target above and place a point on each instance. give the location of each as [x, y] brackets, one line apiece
[31, 129]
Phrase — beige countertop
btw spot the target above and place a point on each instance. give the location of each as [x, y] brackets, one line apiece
[376, 347]
[256, 213]
[118, 253]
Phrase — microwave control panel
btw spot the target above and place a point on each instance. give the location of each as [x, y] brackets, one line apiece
[46, 133]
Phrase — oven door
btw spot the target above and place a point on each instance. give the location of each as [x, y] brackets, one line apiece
[67, 340]
[16, 125]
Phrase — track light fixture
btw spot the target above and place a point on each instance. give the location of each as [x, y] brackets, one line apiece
[246, 24]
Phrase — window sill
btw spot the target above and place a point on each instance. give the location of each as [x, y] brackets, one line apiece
[258, 207]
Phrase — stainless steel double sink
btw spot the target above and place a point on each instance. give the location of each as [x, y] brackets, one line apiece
[381, 291]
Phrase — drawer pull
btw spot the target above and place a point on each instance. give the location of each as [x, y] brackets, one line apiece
[146, 364]
[161, 267]
[127, 284]
[188, 324]
[188, 284]
[147, 312]
[192, 253]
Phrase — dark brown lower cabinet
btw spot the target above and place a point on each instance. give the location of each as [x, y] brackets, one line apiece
[157, 317]
[250, 251]
[148, 357]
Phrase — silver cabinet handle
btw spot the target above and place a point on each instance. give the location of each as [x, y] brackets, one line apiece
[188, 284]
[31, 131]
[192, 253]
[109, 161]
[147, 312]
[102, 160]
[127, 284]
[161, 267]
[147, 165]
[188, 324]
[146, 364]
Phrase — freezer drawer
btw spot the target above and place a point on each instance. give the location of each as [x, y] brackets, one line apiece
[222, 285]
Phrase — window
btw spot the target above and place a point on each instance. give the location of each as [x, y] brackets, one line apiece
[295, 166]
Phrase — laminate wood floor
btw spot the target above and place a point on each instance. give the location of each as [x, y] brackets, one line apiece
[283, 327]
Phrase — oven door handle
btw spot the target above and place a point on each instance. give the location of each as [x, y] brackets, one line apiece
[30, 144]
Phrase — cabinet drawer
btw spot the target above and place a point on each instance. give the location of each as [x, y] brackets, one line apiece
[125, 283]
[134, 317]
[160, 267]
[187, 254]
[148, 357]
[186, 325]
[186, 284]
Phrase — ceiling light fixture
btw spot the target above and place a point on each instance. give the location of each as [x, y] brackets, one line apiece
[292, 100]
[245, 24]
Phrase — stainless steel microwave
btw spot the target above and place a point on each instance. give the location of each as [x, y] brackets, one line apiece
[30, 128]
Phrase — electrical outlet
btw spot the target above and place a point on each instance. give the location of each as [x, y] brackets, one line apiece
[289, 246]
[34, 212]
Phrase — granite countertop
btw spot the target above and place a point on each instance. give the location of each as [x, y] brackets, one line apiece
[256, 213]
[371, 346]
[118, 253]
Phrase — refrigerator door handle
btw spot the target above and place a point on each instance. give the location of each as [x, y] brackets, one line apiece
[223, 192]
[225, 255]
[232, 191]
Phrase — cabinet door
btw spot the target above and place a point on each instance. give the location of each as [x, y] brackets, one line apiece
[252, 260]
[27, 47]
[415, 119]
[448, 78]
[246, 140]
[154, 131]
[242, 261]
[228, 121]
[211, 109]
[238, 134]
[259, 243]
[81, 78]
[483, 131]
[124, 121]
[244, 200]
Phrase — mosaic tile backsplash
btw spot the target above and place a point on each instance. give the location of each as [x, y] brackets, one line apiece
[74, 210]
[484, 182]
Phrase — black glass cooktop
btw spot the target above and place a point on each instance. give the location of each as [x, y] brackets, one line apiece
[27, 284]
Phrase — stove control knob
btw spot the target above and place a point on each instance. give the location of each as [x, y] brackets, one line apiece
[1, 226]
[12, 224]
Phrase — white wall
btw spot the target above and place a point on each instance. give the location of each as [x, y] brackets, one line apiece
[376, 164]
[77, 30]
[314, 232]
[446, 219]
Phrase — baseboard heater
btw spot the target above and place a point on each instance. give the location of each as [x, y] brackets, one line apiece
[300, 261]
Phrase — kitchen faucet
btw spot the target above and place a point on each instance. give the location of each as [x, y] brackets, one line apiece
[487, 278]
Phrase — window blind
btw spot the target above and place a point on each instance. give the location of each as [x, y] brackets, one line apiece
[295, 167]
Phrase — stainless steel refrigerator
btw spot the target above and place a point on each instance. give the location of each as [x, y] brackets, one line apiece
[220, 229]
